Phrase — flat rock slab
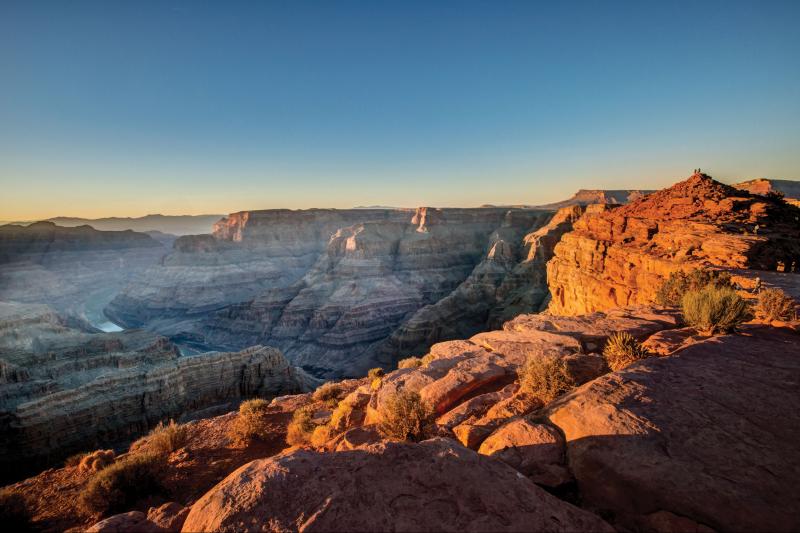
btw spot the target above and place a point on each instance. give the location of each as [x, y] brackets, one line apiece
[710, 434]
[436, 485]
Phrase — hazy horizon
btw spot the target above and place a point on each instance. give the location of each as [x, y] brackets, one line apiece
[123, 109]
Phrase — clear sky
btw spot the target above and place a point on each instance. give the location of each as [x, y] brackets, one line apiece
[128, 108]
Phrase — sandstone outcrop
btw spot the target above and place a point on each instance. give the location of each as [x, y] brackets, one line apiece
[790, 189]
[65, 390]
[586, 197]
[620, 256]
[708, 434]
[343, 291]
[437, 486]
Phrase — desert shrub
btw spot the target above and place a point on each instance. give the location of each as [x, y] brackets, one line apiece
[622, 349]
[546, 378]
[15, 514]
[321, 435]
[679, 283]
[164, 438]
[96, 460]
[329, 393]
[375, 373]
[251, 423]
[410, 362]
[774, 304]
[75, 460]
[118, 487]
[404, 416]
[714, 310]
[301, 427]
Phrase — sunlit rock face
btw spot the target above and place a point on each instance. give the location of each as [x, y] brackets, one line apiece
[65, 388]
[620, 256]
[342, 291]
[76, 270]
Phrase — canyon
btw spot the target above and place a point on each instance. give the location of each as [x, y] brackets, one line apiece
[697, 435]
[340, 292]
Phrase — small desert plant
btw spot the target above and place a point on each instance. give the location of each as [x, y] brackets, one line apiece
[301, 427]
[622, 349]
[321, 435]
[14, 512]
[329, 393]
[410, 362]
[774, 304]
[118, 487]
[546, 378]
[96, 460]
[375, 373]
[75, 460]
[405, 416]
[679, 283]
[251, 423]
[714, 310]
[164, 438]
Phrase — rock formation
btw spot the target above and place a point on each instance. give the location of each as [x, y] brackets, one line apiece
[64, 389]
[790, 189]
[76, 270]
[620, 256]
[439, 486]
[585, 197]
[342, 291]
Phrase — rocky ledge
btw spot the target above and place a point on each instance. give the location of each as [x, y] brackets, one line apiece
[620, 256]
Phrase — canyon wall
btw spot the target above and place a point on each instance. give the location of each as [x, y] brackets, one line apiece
[620, 256]
[76, 270]
[64, 389]
[342, 291]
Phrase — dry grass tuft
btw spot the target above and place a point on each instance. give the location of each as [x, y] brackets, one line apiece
[404, 416]
[164, 438]
[329, 393]
[251, 423]
[622, 349]
[96, 460]
[410, 362]
[547, 378]
[774, 304]
[117, 488]
[301, 427]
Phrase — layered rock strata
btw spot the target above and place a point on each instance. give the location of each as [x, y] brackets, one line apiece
[620, 256]
[77, 270]
[63, 389]
[342, 291]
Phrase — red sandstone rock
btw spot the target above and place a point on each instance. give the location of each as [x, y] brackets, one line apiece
[133, 522]
[709, 433]
[432, 486]
[536, 450]
[169, 516]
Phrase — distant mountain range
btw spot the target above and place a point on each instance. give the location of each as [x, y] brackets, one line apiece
[170, 224]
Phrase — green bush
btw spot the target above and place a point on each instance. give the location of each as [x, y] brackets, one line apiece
[547, 378]
[714, 310]
[301, 427]
[251, 423]
[404, 416]
[164, 438]
[622, 349]
[15, 514]
[679, 283]
[117, 488]
[774, 304]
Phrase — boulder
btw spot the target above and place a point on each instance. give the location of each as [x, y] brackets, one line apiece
[169, 516]
[536, 450]
[709, 433]
[436, 485]
[133, 522]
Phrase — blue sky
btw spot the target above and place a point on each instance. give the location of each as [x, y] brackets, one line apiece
[128, 108]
